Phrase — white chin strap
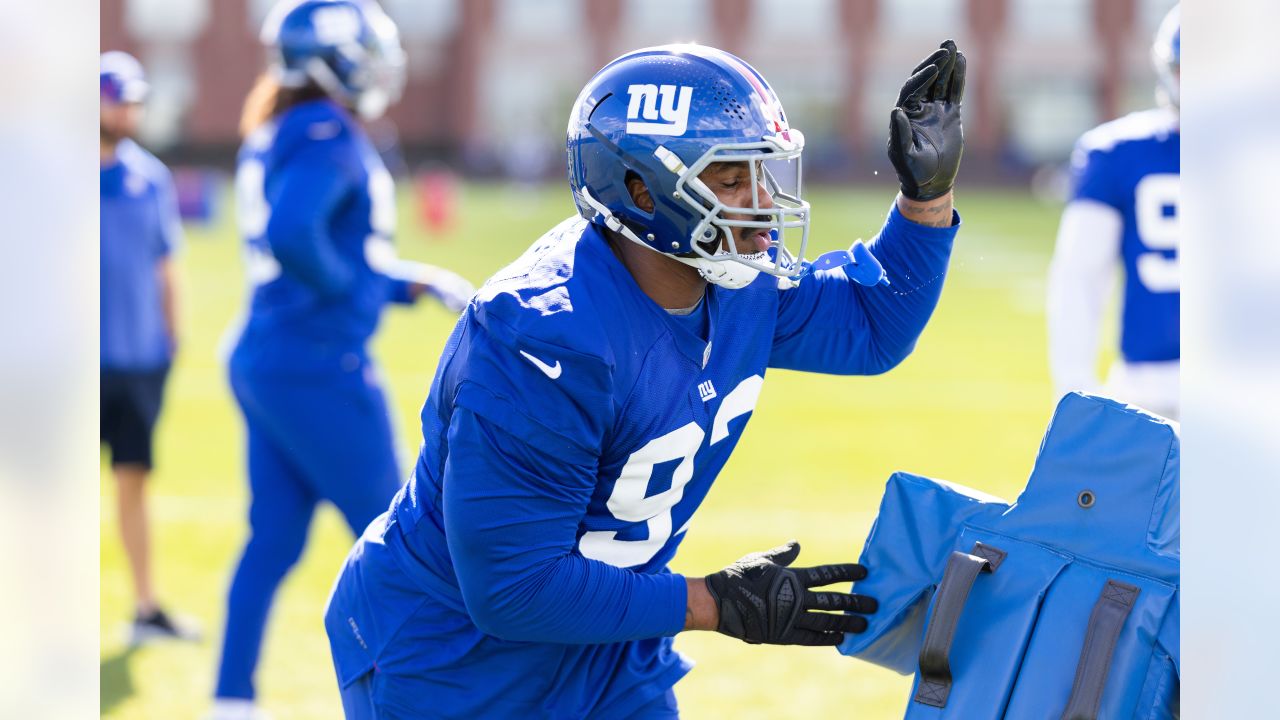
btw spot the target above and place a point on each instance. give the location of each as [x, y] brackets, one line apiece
[372, 103]
[729, 274]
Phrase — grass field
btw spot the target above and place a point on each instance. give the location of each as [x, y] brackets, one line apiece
[969, 405]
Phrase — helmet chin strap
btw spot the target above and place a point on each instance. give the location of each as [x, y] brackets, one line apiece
[728, 274]
[322, 75]
[372, 103]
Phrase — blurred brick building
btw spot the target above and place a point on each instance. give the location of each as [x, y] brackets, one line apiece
[491, 81]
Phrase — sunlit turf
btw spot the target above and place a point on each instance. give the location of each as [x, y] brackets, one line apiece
[969, 405]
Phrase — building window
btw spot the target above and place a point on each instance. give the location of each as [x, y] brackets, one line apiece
[166, 20]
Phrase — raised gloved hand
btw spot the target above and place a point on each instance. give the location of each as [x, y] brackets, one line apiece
[925, 136]
[762, 600]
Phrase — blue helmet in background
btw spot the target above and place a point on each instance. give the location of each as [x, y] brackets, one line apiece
[121, 78]
[1166, 55]
[664, 114]
[349, 48]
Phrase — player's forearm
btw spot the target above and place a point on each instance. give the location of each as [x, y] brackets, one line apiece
[831, 324]
[169, 299]
[916, 256]
[410, 280]
[404, 292]
[511, 513]
[700, 609]
[574, 600]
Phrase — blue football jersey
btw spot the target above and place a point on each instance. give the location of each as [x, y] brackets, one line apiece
[139, 227]
[655, 406]
[316, 209]
[572, 430]
[1132, 164]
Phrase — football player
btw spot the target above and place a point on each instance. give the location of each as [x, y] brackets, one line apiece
[316, 208]
[594, 388]
[1123, 212]
[140, 230]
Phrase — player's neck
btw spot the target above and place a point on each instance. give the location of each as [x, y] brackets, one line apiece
[668, 282]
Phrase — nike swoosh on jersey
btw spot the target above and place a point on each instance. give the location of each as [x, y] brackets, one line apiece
[551, 371]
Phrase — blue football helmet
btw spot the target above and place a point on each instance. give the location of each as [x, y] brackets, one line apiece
[121, 79]
[1166, 55]
[665, 114]
[349, 48]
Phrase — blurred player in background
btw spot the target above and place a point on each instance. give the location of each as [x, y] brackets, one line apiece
[140, 231]
[595, 388]
[316, 207]
[1123, 211]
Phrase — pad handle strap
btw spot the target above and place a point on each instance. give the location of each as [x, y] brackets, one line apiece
[953, 592]
[1105, 622]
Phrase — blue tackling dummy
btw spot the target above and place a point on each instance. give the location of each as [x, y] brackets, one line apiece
[1064, 604]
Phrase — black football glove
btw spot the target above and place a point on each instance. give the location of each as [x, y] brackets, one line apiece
[761, 600]
[925, 137]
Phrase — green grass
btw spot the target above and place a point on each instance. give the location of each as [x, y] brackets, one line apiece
[969, 405]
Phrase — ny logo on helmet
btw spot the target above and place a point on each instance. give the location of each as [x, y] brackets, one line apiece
[336, 25]
[650, 101]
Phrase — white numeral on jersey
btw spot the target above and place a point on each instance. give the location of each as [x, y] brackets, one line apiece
[628, 501]
[1158, 231]
[739, 402]
[382, 202]
[379, 254]
[252, 214]
[252, 211]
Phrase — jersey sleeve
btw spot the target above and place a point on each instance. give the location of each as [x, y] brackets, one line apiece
[1093, 177]
[400, 291]
[449, 288]
[1081, 278]
[308, 190]
[511, 512]
[831, 324]
[169, 227]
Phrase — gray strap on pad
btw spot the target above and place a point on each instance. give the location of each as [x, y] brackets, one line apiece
[1105, 622]
[935, 655]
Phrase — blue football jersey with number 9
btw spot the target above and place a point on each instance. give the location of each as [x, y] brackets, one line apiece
[315, 268]
[1132, 165]
[585, 366]
[671, 403]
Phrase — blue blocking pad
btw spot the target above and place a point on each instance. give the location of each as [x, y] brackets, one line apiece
[996, 626]
[905, 553]
[1068, 605]
[1076, 615]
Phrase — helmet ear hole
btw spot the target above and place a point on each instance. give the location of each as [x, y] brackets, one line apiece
[639, 192]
